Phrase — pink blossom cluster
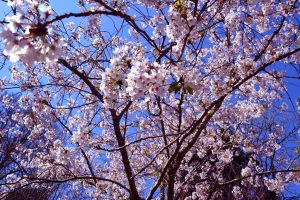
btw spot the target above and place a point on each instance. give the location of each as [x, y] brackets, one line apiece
[34, 42]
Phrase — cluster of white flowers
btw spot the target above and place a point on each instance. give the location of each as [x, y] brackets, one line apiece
[247, 171]
[20, 2]
[225, 156]
[237, 192]
[151, 3]
[146, 78]
[132, 75]
[234, 16]
[277, 184]
[33, 43]
[180, 23]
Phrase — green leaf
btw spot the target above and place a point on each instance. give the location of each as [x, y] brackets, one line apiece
[178, 4]
[189, 90]
[174, 87]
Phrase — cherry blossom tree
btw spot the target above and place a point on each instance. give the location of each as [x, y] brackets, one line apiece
[156, 99]
[12, 139]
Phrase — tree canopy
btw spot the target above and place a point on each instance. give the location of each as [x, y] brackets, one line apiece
[152, 99]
